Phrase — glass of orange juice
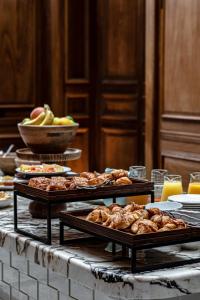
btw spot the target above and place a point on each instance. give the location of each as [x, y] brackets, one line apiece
[194, 185]
[172, 186]
[137, 172]
[157, 177]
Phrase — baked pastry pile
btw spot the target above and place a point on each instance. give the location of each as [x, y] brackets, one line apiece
[134, 218]
[86, 179]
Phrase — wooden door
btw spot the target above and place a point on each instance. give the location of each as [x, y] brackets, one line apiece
[104, 80]
[179, 89]
[18, 92]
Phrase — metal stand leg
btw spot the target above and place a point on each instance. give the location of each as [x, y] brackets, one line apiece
[15, 210]
[113, 248]
[152, 196]
[114, 199]
[123, 250]
[61, 233]
[133, 259]
[48, 224]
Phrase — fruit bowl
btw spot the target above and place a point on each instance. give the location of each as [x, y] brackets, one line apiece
[49, 138]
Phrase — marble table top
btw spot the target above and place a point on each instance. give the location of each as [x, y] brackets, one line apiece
[91, 262]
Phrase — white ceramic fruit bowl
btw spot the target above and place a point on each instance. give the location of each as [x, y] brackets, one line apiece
[48, 138]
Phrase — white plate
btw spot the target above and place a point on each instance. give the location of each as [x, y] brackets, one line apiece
[65, 169]
[186, 199]
[6, 187]
[5, 203]
[8, 201]
[165, 205]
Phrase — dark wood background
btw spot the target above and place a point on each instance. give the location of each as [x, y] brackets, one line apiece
[85, 58]
[176, 103]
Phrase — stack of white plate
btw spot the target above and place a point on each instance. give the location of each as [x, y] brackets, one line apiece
[189, 201]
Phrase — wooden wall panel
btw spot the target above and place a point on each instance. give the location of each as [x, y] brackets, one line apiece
[120, 82]
[17, 66]
[181, 58]
[104, 78]
[179, 88]
[118, 149]
[17, 51]
[80, 142]
[119, 27]
[184, 167]
[77, 74]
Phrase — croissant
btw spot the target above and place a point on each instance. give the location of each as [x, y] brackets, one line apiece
[87, 175]
[99, 215]
[119, 173]
[106, 176]
[121, 221]
[123, 181]
[143, 226]
[154, 211]
[132, 207]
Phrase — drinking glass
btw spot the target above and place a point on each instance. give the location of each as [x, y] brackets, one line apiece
[172, 186]
[157, 177]
[138, 172]
[194, 185]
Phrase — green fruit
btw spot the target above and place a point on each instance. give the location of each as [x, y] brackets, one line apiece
[56, 121]
[26, 120]
[70, 118]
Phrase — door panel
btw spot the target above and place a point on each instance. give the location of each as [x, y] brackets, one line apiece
[104, 79]
[180, 89]
[17, 66]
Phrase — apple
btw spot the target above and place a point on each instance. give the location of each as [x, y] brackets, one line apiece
[36, 111]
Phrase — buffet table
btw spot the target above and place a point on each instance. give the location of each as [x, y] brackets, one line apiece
[84, 270]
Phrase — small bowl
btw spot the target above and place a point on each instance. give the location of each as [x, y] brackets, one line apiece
[7, 164]
[49, 138]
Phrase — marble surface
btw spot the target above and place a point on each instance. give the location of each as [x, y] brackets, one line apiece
[90, 264]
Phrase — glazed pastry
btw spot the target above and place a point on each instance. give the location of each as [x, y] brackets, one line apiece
[123, 181]
[119, 173]
[39, 182]
[135, 219]
[95, 181]
[144, 226]
[106, 176]
[56, 187]
[99, 215]
[80, 181]
[154, 211]
[88, 175]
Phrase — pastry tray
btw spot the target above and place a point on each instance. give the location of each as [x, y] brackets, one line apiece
[138, 187]
[77, 220]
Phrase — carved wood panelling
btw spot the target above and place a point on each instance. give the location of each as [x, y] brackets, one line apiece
[181, 57]
[118, 21]
[17, 51]
[176, 165]
[179, 88]
[119, 105]
[77, 104]
[120, 81]
[80, 142]
[18, 56]
[76, 39]
[118, 148]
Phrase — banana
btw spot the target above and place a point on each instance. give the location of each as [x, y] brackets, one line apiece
[36, 121]
[48, 120]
